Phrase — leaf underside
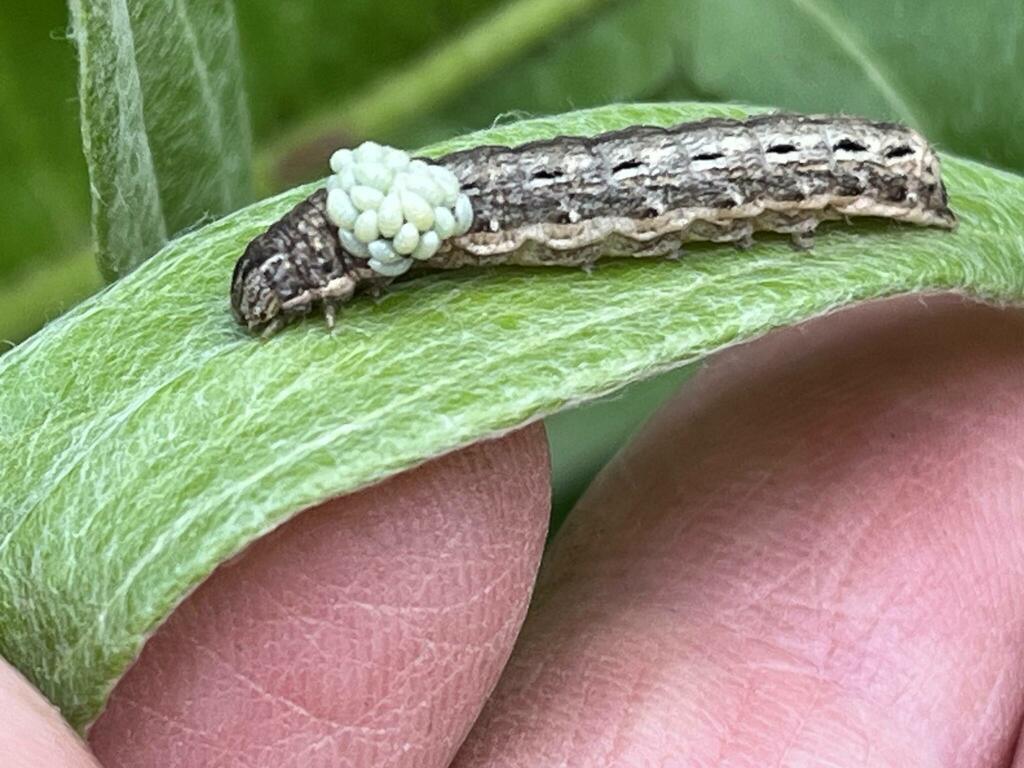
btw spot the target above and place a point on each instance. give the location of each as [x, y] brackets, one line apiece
[165, 125]
[148, 438]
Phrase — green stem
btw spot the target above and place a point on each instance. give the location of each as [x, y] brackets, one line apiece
[447, 70]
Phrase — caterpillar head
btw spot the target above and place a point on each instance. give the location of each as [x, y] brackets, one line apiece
[254, 301]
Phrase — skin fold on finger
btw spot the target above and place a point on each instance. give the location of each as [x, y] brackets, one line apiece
[812, 556]
[1018, 757]
[365, 632]
[32, 732]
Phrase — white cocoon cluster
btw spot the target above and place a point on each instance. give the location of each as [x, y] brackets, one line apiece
[391, 209]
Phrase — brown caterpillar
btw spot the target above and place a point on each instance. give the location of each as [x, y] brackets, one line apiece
[567, 201]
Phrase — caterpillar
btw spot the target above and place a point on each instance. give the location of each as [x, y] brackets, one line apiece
[642, 191]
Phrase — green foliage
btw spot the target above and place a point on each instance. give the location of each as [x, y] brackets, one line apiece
[43, 186]
[396, 100]
[149, 438]
[165, 124]
[303, 55]
[951, 69]
[582, 439]
[621, 52]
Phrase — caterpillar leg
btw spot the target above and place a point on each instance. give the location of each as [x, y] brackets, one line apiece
[802, 240]
[273, 327]
[339, 290]
[801, 232]
[674, 252]
[745, 239]
[377, 287]
[335, 293]
[330, 313]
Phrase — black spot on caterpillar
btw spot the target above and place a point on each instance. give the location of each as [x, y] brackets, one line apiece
[641, 191]
[901, 151]
[626, 165]
[848, 145]
[546, 174]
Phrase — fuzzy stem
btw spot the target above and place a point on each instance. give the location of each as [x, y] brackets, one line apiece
[396, 97]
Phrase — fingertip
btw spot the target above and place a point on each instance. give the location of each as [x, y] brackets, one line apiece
[813, 553]
[32, 732]
[365, 631]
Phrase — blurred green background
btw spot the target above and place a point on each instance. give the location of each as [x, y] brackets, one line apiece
[319, 74]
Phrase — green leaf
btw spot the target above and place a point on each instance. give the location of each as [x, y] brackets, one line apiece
[147, 438]
[951, 69]
[165, 125]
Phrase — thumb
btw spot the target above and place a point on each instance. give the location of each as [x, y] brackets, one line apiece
[32, 734]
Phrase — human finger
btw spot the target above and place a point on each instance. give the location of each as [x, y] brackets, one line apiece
[812, 556]
[367, 631]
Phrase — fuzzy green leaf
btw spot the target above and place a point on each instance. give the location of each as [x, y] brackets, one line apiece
[951, 69]
[165, 125]
[147, 438]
